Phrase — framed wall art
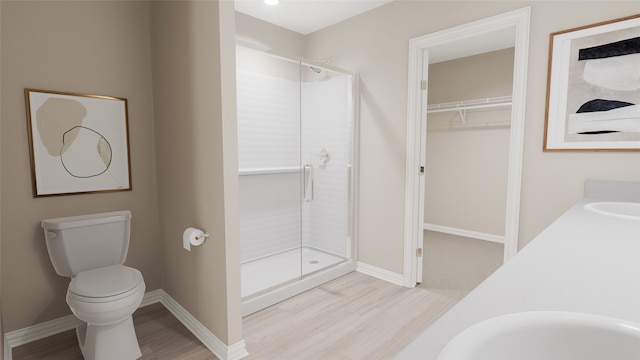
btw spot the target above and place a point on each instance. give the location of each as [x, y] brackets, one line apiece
[78, 143]
[593, 88]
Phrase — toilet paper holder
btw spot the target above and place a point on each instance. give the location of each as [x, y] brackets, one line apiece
[193, 236]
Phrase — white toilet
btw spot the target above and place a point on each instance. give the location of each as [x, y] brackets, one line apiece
[103, 293]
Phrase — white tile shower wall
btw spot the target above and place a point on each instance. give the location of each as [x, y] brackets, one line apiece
[268, 121]
[326, 126]
[269, 214]
[268, 137]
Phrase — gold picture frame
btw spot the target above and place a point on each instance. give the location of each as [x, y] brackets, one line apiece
[593, 104]
[78, 143]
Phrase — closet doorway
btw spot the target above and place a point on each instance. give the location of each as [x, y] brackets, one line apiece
[464, 151]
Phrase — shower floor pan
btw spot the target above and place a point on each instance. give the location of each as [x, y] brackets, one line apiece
[268, 272]
[277, 277]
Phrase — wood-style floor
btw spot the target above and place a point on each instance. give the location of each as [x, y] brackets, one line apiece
[160, 336]
[353, 317]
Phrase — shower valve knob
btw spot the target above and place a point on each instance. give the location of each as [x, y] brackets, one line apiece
[325, 156]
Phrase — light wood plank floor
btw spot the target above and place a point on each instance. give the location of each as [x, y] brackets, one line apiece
[160, 335]
[353, 317]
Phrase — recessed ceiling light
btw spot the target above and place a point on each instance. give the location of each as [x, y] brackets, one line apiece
[272, 2]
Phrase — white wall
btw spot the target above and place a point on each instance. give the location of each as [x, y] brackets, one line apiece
[328, 126]
[268, 139]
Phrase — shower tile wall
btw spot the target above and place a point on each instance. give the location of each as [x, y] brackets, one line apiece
[268, 121]
[324, 107]
[269, 137]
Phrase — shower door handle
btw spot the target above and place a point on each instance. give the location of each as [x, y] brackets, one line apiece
[308, 183]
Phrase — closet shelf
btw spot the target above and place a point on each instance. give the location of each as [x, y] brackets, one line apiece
[472, 234]
[469, 126]
[493, 102]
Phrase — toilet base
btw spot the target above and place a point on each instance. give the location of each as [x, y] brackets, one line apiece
[109, 342]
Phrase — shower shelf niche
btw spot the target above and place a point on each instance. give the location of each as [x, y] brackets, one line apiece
[269, 171]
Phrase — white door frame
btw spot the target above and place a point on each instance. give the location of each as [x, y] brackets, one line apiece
[416, 125]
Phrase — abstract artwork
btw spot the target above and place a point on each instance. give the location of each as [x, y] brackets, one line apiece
[78, 143]
[593, 89]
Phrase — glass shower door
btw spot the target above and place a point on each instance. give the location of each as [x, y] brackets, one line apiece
[295, 150]
[326, 154]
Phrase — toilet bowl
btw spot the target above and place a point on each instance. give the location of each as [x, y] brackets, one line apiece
[105, 299]
[103, 293]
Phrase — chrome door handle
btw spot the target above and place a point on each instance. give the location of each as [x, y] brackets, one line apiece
[308, 183]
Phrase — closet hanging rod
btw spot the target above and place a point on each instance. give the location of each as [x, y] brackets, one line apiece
[502, 101]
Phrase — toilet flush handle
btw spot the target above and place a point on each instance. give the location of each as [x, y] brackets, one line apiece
[51, 235]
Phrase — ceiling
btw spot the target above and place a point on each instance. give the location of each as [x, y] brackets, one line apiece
[306, 16]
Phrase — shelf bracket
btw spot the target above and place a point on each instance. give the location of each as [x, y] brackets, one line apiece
[463, 115]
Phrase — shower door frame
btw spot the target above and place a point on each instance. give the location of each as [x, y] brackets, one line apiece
[305, 282]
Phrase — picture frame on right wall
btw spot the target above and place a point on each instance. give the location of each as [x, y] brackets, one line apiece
[593, 88]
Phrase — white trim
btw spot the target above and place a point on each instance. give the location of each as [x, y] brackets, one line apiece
[36, 332]
[412, 221]
[39, 331]
[380, 273]
[465, 233]
[414, 202]
[522, 18]
[218, 347]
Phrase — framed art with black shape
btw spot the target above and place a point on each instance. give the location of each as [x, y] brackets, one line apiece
[78, 143]
[593, 88]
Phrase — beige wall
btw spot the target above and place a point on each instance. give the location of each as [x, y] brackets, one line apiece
[265, 36]
[82, 47]
[106, 48]
[1, 317]
[472, 77]
[376, 45]
[194, 93]
[466, 167]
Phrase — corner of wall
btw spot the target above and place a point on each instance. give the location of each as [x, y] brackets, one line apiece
[194, 105]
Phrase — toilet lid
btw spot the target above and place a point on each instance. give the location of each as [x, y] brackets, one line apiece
[106, 281]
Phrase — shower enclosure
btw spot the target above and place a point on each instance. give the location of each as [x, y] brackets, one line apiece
[296, 175]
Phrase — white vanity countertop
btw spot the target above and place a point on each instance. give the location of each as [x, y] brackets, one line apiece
[583, 262]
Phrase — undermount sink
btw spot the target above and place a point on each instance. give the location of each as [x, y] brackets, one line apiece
[548, 335]
[625, 210]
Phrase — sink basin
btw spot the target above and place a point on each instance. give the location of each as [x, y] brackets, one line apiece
[625, 210]
[548, 335]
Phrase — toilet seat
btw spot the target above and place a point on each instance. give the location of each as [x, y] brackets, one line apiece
[105, 284]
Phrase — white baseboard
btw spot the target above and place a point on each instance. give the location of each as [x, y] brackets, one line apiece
[36, 332]
[220, 349]
[382, 274]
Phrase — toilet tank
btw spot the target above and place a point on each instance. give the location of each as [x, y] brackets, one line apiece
[86, 242]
